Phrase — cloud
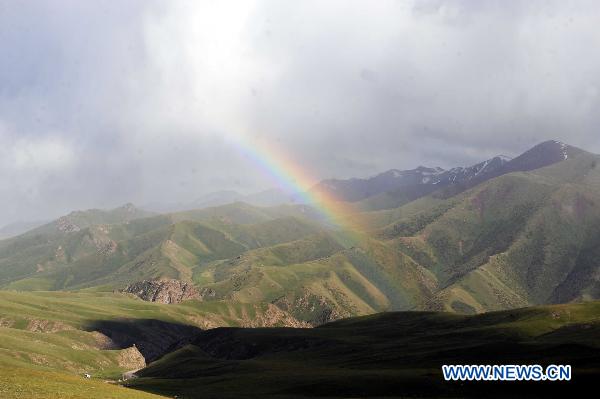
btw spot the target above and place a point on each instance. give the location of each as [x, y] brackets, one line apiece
[102, 103]
[40, 154]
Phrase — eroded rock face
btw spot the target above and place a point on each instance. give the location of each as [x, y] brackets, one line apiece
[163, 291]
[47, 326]
[274, 317]
[313, 309]
[66, 226]
[131, 358]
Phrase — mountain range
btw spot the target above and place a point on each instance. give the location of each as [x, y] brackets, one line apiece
[397, 187]
[499, 261]
[501, 234]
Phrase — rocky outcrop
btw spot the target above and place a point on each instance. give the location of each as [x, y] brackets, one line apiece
[273, 317]
[310, 308]
[163, 291]
[47, 326]
[65, 225]
[131, 358]
[4, 322]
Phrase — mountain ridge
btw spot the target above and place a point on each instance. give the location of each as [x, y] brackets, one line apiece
[394, 187]
[521, 238]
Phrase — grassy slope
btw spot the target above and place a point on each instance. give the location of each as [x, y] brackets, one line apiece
[55, 330]
[517, 240]
[24, 383]
[390, 354]
[161, 246]
[520, 239]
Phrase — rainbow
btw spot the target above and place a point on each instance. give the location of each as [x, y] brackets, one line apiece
[291, 177]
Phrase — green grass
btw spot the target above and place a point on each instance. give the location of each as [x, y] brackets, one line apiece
[57, 330]
[398, 352]
[24, 383]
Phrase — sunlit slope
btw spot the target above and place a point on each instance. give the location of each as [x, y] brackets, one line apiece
[78, 332]
[316, 280]
[24, 383]
[523, 238]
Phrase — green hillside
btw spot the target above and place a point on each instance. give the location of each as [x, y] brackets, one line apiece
[519, 239]
[78, 332]
[525, 238]
[48, 340]
[160, 246]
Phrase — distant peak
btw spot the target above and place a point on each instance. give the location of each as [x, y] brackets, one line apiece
[557, 146]
[503, 158]
[552, 143]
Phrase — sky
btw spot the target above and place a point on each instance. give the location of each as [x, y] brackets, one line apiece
[105, 102]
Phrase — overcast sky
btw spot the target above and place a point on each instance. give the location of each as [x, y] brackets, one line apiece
[105, 102]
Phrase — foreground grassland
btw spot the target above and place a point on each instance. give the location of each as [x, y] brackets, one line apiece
[396, 354]
[25, 383]
[70, 331]
[49, 339]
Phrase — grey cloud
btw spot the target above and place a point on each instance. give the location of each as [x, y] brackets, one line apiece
[103, 103]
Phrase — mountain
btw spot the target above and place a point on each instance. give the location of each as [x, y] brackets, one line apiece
[543, 154]
[78, 220]
[66, 239]
[395, 188]
[354, 189]
[412, 184]
[500, 262]
[72, 252]
[518, 239]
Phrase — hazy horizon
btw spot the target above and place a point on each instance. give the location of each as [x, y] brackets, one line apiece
[148, 101]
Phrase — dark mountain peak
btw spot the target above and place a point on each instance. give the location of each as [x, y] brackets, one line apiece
[410, 184]
[555, 147]
[543, 154]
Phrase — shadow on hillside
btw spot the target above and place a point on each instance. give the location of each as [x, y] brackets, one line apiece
[153, 338]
